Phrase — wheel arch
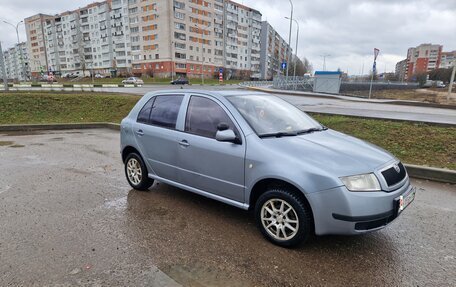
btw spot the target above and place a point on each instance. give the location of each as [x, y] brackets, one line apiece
[128, 150]
[262, 186]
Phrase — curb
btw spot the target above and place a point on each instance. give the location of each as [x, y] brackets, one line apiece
[415, 171]
[431, 173]
[358, 99]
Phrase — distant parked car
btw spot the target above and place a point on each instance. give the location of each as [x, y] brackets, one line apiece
[99, 76]
[180, 81]
[133, 80]
[48, 78]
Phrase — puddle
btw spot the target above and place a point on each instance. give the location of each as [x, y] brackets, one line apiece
[118, 204]
[6, 143]
[200, 275]
[17, 146]
[39, 144]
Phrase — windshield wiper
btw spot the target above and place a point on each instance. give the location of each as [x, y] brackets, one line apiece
[278, 134]
[311, 130]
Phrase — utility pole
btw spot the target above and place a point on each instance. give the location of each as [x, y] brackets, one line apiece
[450, 86]
[2, 62]
[324, 60]
[16, 27]
[289, 37]
[296, 53]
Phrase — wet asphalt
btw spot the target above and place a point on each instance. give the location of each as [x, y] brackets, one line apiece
[68, 217]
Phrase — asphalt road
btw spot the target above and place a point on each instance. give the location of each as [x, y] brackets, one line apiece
[320, 104]
[68, 217]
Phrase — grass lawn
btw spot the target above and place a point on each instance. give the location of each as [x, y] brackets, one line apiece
[420, 144]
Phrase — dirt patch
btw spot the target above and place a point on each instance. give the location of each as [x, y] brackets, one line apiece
[17, 146]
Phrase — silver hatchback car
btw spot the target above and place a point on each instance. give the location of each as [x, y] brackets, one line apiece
[256, 151]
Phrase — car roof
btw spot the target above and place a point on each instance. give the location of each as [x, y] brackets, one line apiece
[217, 94]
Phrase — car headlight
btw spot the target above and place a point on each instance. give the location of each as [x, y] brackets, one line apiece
[361, 182]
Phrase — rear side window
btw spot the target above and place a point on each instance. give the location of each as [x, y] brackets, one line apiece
[144, 114]
[203, 117]
[165, 110]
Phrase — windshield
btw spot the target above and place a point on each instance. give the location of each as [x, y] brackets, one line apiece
[270, 115]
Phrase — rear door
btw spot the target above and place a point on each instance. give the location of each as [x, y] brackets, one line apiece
[205, 163]
[156, 135]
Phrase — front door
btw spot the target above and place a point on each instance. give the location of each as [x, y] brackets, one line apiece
[205, 163]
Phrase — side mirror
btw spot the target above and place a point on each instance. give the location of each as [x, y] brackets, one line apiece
[226, 136]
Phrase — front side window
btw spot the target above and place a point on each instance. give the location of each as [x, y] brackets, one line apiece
[203, 117]
[269, 115]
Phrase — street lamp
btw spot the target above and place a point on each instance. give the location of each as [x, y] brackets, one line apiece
[289, 35]
[18, 45]
[202, 54]
[296, 51]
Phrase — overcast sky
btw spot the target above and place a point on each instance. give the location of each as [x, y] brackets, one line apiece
[347, 30]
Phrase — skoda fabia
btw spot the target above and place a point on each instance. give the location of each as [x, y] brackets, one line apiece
[256, 151]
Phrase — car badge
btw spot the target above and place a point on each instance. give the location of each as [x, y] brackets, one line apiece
[396, 167]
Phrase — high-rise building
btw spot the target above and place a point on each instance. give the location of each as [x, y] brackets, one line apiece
[92, 38]
[422, 59]
[448, 59]
[401, 70]
[274, 51]
[36, 47]
[160, 38]
[16, 62]
[242, 32]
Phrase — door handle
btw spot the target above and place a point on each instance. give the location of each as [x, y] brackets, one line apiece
[184, 143]
[140, 132]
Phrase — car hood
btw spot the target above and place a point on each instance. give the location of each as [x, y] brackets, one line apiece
[331, 151]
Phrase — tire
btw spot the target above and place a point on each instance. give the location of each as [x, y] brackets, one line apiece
[136, 172]
[298, 217]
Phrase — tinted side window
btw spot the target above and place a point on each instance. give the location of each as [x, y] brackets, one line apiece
[203, 117]
[143, 116]
[165, 111]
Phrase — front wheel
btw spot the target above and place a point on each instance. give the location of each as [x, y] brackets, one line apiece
[136, 172]
[283, 218]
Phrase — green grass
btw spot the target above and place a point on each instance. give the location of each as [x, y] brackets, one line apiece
[413, 143]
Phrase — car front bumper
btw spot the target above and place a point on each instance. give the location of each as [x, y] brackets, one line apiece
[340, 211]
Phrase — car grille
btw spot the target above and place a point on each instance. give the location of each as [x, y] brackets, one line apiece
[393, 177]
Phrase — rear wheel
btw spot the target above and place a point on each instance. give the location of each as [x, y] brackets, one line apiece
[283, 218]
[136, 172]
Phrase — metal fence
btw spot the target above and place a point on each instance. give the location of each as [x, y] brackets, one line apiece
[256, 84]
[293, 83]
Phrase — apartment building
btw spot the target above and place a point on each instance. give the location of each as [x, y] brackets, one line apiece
[36, 48]
[173, 37]
[159, 38]
[422, 59]
[16, 62]
[242, 32]
[401, 70]
[92, 38]
[274, 51]
[448, 59]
